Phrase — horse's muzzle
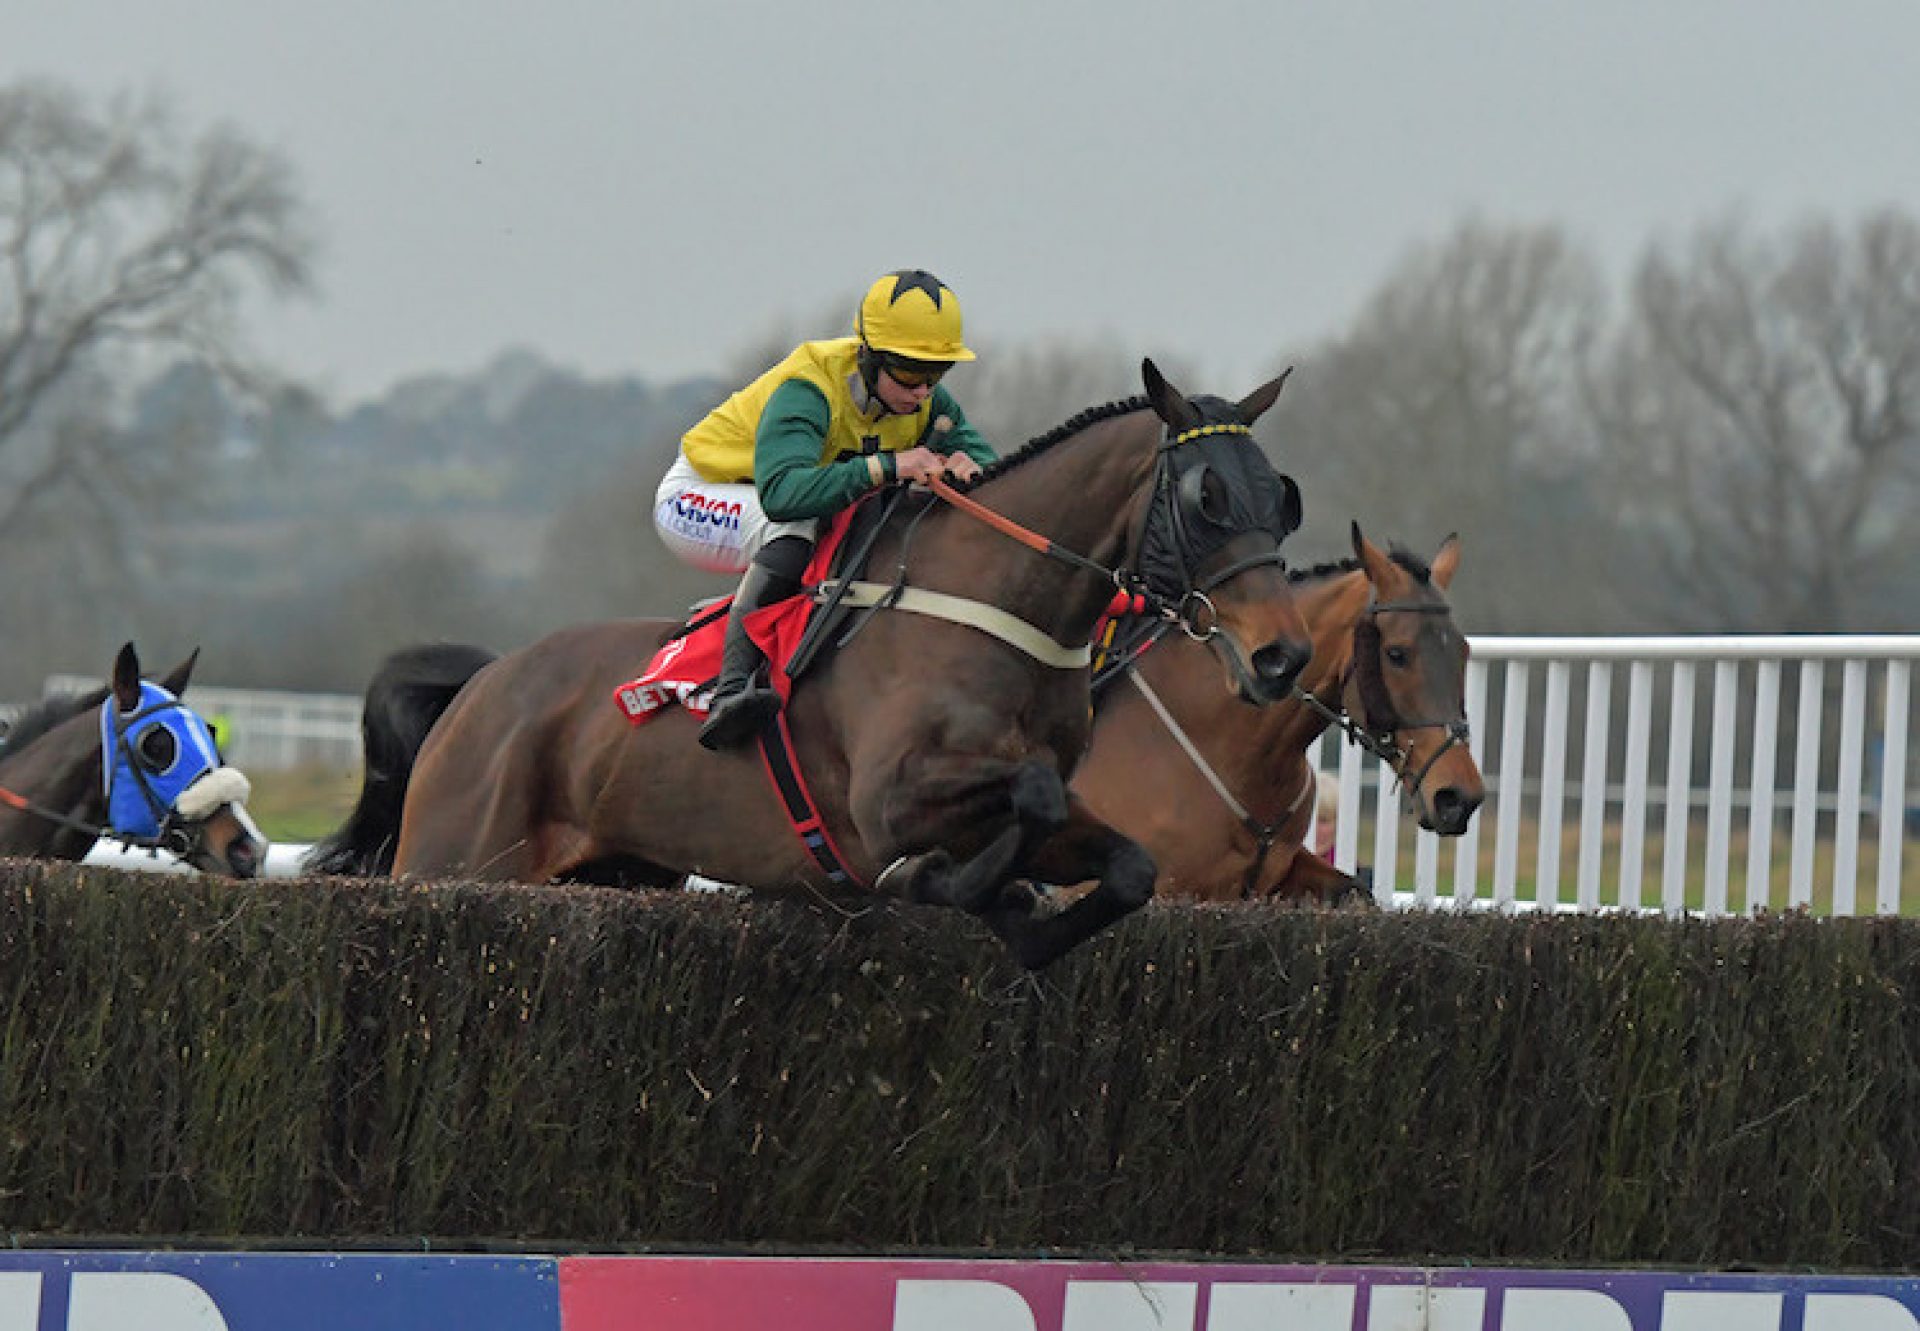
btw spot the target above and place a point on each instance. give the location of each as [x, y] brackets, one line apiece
[1448, 810]
[243, 859]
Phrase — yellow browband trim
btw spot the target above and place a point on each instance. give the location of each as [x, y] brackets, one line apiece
[1196, 432]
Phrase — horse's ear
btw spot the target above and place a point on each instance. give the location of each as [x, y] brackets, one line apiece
[126, 679]
[1169, 403]
[1255, 404]
[1446, 560]
[176, 680]
[1379, 568]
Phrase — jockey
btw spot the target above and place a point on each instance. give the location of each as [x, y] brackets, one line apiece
[833, 421]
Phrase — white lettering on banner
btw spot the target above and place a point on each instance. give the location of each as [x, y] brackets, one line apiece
[1562, 1310]
[1250, 1307]
[1130, 1305]
[1126, 1305]
[19, 1300]
[140, 1301]
[1720, 1310]
[1857, 1312]
[959, 1305]
[1425, 1308]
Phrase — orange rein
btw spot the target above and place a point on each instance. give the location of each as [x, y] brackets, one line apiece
[973, 508]
[1125, 600]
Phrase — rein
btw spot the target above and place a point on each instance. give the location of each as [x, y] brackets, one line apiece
[98, 832]
[1264, 834]
[1194, 612]
[1375, 738]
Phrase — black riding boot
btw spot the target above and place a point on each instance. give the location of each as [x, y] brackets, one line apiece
[742, 702]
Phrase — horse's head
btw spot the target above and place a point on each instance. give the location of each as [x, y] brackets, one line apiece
[1408, 681]
[165, 783]
[1210, 538]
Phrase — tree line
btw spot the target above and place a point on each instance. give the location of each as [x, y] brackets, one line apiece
[1722, 440]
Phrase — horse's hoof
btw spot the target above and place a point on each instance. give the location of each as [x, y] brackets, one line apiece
[912, 878]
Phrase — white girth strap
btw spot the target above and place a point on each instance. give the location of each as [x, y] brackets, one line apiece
[991, 620]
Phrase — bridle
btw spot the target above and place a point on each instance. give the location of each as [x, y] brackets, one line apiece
[1375, 733]
[1190, 606]
[1380, 721]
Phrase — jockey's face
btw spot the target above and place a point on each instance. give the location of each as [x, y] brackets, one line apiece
[900, 399]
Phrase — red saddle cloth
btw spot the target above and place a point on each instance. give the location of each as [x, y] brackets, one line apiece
[683, 671]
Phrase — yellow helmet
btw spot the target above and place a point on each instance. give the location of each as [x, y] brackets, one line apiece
[913, 315]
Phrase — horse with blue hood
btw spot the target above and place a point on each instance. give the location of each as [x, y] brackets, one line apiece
[131, 763]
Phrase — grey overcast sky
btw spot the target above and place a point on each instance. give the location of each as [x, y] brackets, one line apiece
[635, 186]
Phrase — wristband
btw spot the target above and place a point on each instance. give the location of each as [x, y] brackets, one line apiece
[875, 471]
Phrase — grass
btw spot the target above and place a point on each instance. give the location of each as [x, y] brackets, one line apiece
[1780, 862]
[307, 803]
[303, 803]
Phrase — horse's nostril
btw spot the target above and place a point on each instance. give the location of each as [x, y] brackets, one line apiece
[242, 860]
[1278, 664]
[1452, 808]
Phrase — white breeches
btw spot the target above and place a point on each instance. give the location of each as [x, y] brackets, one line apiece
[716, 525]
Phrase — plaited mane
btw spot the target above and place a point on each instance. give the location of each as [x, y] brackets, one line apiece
[1333, 568]
[1039, 444]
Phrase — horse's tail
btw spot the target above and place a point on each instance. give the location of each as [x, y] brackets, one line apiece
[409, 693]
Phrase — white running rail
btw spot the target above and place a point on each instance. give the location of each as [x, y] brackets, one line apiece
[1572, 777]
[1716, 774]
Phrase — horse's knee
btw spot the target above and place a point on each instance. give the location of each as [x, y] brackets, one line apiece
[1039, 797]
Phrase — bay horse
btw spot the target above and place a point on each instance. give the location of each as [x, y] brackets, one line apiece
[937, 751]
[127, 762]
[1226, 808]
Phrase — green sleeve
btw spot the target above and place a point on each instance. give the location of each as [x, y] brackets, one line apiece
[787, 471]
[962, 438]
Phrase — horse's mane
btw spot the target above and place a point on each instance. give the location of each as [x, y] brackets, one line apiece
[1039, 444]
[1333, 568]
[38, 719]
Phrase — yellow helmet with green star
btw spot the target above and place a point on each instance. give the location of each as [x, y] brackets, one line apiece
[913, 315]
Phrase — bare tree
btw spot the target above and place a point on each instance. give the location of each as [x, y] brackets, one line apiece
[119, 243]
[1762, 402]
[1451, 405]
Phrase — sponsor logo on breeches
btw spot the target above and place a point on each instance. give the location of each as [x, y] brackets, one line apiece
[698, 515]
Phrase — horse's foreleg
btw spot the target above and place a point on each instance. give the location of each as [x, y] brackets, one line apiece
[1038, 800]
[1309, 875]
[1083, 849]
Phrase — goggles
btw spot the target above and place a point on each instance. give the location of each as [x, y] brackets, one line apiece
[913, 373]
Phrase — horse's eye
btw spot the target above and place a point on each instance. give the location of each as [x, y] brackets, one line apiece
[156, 748]
[1213, 499]
[1398, 656]
[1205, 495]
